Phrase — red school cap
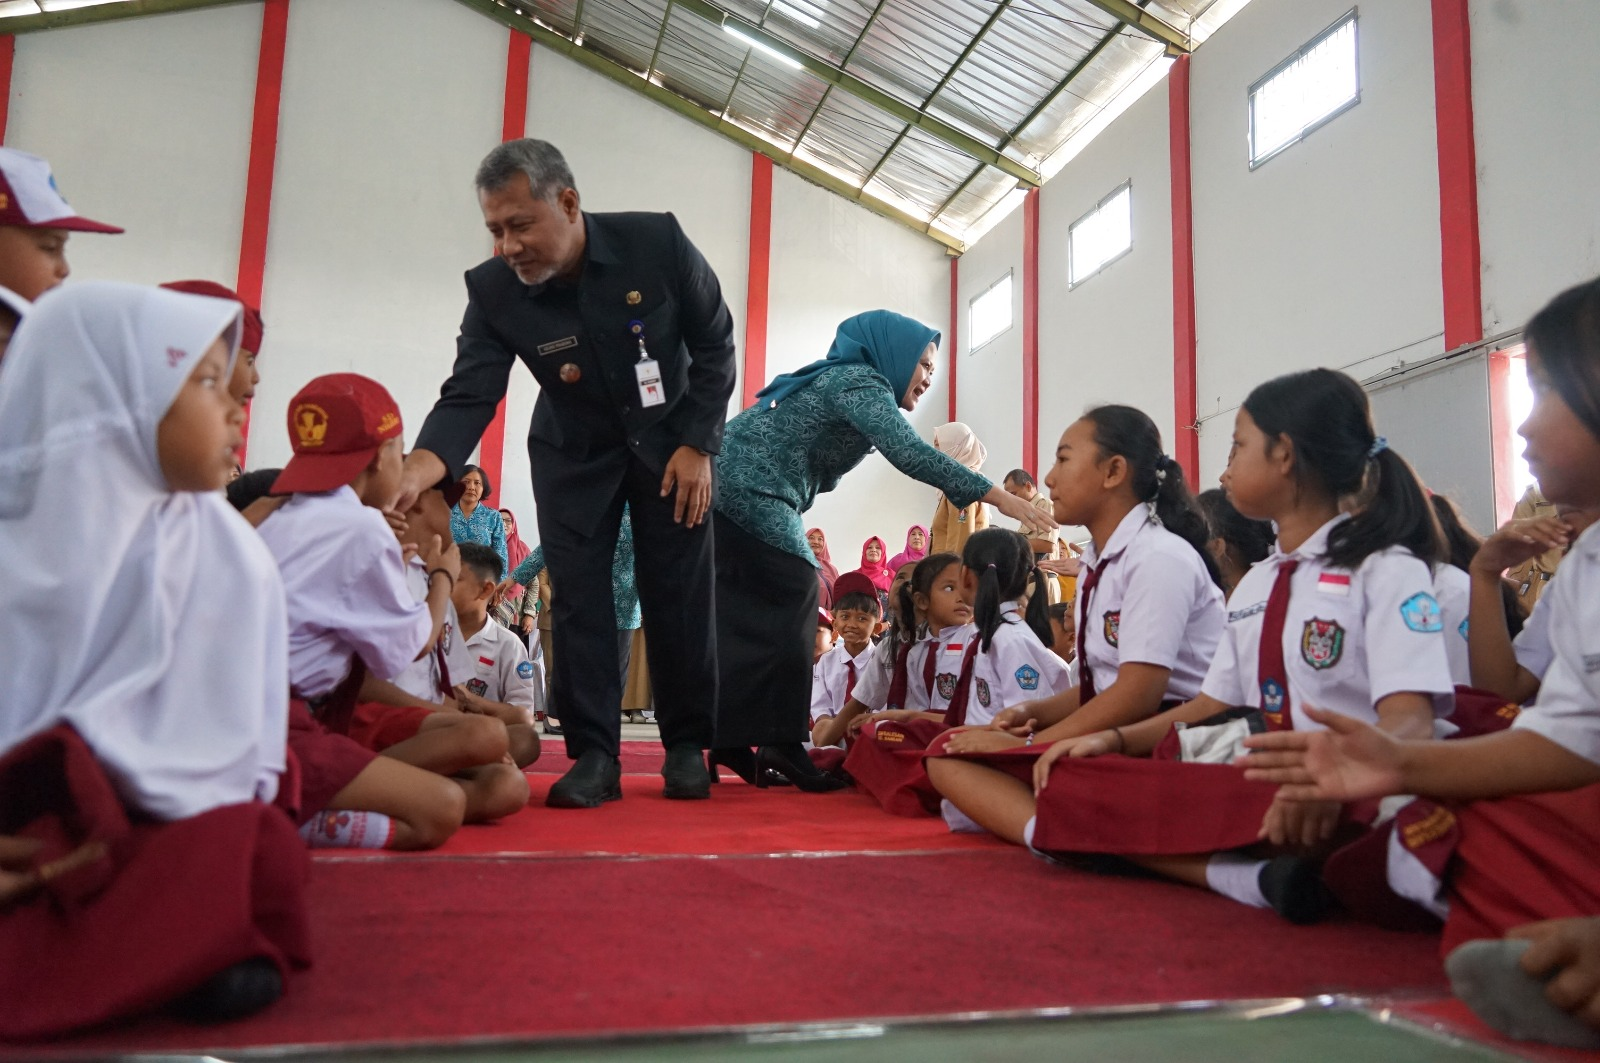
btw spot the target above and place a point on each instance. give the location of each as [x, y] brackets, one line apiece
[29, 197]
[337, 424]
[254, 330]
[853, 583]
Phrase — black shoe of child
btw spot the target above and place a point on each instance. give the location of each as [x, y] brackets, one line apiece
[593, 779]
[233, 993]
[1294, 888]
[685, 774]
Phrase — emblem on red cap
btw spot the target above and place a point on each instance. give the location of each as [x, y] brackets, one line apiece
[388, 422]
[310, 424]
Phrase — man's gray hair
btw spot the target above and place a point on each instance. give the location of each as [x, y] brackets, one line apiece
[548, 173]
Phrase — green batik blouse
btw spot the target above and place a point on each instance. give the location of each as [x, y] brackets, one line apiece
[775, 461]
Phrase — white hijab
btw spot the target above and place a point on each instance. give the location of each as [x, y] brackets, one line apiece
[151, 621]
[961, 443]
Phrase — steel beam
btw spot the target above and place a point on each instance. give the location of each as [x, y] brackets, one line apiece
[1157, 29]
[847, 82]
[845, 62]
[83, 16]
[630, 78]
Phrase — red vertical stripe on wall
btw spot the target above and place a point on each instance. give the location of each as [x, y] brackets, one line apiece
[1458, 174]
[1502, 434]
[758, 283]
[1030, 332]
[1186, 437]
[8, 48]
[263, 160]
[513, 126]
[952, 344]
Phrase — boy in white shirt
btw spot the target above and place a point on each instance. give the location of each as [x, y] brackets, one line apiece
[833, 679]
[500, 680]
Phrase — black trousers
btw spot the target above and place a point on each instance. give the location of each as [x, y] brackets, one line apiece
[675, 575]
[766, 610]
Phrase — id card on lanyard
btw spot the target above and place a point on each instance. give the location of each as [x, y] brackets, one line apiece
[648, 372]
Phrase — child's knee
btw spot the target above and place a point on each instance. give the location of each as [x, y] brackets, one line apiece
[436, 812]
[505, 790]
[524, 743]
[483, 739]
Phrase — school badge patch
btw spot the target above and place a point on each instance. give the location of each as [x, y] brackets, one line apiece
[525, 669]
[1465, 629]
[983, 693]
[1113, 627]
[1027, 677]
[1421, 613]
[1322, 643]
[478, 687]
[947, 685]
[1272, 695]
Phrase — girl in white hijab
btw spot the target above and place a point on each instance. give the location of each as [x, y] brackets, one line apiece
[953, 525]
[171, 668]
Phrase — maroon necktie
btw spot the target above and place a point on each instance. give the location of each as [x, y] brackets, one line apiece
[1085, 673]
[1271, 671]
[849, 679]
[956, 714]
[930, 667]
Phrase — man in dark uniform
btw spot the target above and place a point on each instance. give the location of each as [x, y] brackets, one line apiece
[622, 322]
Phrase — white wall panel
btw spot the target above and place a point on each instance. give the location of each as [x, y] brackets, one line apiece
[1327, 254]
[373, 214]
[147, 124]
[989, 384]
[1109, 340]
[832, 260]
[1535, 81]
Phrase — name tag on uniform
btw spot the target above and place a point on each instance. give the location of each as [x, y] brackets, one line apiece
[557, 346]
[651, 393]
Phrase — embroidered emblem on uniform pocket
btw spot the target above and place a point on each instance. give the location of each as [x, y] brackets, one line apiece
[1113, 627]
[1421, 613]
[947, 685]
[1028, 677]
[525, 669]
[478, 687]
[1322, 643]
[1271, 696]
[983, 693]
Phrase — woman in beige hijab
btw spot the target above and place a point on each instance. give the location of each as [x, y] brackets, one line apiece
[952, 524]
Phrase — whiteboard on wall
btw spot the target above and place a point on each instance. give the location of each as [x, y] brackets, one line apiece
[1438, 418]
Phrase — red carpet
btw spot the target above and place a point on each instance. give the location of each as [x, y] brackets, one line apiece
[737, 819]
[417, 949]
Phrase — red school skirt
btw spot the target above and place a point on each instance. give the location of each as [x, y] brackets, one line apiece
[885, 760]
[134, 913]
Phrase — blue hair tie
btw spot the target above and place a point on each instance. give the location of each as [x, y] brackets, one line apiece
[1379, 445]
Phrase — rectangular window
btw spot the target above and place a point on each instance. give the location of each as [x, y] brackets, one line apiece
[1101, 236]
[989, 313]
[1319, 82]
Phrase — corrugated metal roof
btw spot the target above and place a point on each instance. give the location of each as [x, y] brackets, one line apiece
[931, 111]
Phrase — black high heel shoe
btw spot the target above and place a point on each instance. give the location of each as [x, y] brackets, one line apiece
[742, 762]
[794, 765]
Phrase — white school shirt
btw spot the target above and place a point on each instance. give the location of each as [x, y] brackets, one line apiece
[873, 682]
[950, 644]
[1532, 644]
[344, 580]
[421, 678]
[1154, 603]
[1453, 589]
[830, 677]
[1567, 710]
[499, 668]
[1350, 639]
[1017, 667]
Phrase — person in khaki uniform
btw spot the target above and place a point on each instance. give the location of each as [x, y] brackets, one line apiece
[953, 525]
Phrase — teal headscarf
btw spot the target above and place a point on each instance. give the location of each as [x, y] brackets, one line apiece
[889, 342]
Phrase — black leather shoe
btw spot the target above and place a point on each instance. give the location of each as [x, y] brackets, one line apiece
[793, 764]
[685, 774]
[593, 779]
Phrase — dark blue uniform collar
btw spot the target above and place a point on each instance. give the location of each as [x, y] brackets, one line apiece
[597, 251]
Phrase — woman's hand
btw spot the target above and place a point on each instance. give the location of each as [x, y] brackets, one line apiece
[1035, 523]
[1299, 824]
[981, 740]
[1061, 566]
[1517, 541]
[1349, 761]
[527, 624]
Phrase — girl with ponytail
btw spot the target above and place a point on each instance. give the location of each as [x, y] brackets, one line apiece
[1150, 610]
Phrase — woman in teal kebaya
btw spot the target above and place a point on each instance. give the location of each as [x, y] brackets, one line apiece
[804, 432]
